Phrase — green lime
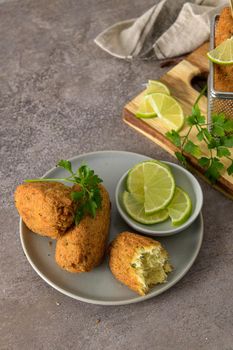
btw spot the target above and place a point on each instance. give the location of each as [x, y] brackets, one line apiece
[135, 183]
[155, 86]
[135, 208]
[158, 162]
[152, 182]
[168, 109]
[145, 110]
[180, 207]
[222, 54]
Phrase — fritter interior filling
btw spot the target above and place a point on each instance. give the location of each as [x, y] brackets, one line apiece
[151, 266]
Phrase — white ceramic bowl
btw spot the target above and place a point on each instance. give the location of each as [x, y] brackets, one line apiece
[183, 179]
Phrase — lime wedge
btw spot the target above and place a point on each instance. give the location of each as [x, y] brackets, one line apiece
[145, 110]
[222, 54]
[180, 207]
[135, 208]
[152, 182]
[168, 109]
[155, 86]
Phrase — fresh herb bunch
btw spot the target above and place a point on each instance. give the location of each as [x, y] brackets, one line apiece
[218, 136]
[88, 198]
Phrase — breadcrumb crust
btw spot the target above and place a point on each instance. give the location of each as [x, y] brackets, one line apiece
[223, 75]
[122, 253]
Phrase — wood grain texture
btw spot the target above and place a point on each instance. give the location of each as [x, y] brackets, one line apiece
[199, 58]
[178, 80]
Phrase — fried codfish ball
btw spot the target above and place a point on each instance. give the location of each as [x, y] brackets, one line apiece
[83, 246]
[139, 262]
[45, 207]
[223, 77]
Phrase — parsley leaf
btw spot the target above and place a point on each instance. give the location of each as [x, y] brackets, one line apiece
[218, 119]
[76, 196]
[223, 151]
[218, 130]
[230, 169]
[201, 119]
[191, 148]
[214, 143]
[174, 137]
[200, 135]
[181, 158]
[78, 215]
[228, 125]
[191, 120]
[196, 117]
[204, 162]
[213, 172]
[66, 164]
[227, 141]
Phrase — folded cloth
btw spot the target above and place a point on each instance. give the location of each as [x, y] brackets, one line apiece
[170, 28]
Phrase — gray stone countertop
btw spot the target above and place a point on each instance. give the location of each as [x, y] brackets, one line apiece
[62, 96]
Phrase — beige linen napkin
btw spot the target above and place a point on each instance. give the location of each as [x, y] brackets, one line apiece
[170, 28]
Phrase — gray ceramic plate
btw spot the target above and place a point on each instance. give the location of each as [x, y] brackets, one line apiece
[99, 286]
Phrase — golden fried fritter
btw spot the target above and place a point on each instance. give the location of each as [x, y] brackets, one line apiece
[224, 28]
[139, 262]
[83, 246]
[45, 207]
[223, 75]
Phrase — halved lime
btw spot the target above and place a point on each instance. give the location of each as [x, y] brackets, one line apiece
[168, 109]
[145, 110]
[222, 54]
[180, 207]
[155, 86]
[154, 182]
[135, 208]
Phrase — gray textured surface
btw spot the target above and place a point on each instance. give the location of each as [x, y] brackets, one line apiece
[61, 96]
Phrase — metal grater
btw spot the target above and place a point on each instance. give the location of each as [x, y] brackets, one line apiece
[218, 101]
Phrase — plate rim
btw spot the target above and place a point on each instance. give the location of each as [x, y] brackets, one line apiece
[120, 302]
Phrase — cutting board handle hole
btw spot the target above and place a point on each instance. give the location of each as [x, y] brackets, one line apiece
[199, 81]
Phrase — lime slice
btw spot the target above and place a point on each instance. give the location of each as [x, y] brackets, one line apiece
[153, 182]
[158, 162]
[145, 110]
[135, 208]
[222, 54]
[135, 183]
[168, 109]
[155, 86]
[180, 207]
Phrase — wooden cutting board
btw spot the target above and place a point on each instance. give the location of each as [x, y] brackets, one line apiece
[178, 80]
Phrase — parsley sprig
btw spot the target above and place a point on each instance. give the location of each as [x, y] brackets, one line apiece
[218, 136]
[87, 196]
